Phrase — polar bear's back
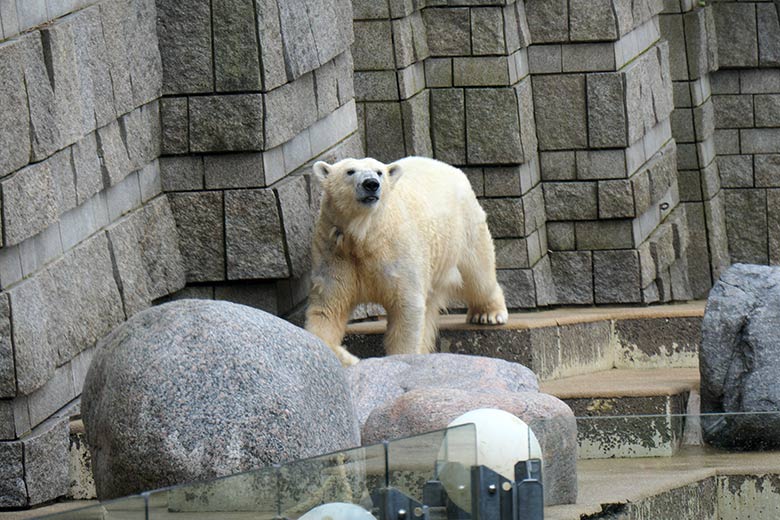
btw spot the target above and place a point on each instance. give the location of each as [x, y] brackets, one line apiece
[437, 186]
[443, 221]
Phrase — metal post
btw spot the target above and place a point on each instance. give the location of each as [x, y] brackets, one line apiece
[394, 505]
[492, 496]
[530, 491]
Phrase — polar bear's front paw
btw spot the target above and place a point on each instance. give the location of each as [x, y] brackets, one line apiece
[347, 359]
[489, 318]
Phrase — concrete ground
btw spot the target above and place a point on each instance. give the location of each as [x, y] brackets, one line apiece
[59, 507]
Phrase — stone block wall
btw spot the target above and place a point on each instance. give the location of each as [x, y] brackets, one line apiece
[455, 85]
[746, 97]
[690, 31]
[253, 91]
[389, 53]
[88, 238]
[603, 99]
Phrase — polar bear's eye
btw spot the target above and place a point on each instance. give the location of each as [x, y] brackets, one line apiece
[350, 172]
[379, 172]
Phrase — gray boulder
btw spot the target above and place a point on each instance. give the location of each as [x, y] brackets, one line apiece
[197, 389]
[740, 359]
[375, 381]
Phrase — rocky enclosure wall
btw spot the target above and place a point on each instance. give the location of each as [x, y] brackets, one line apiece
[625, 151]
[602, 97]
[88, 238]
[559, 112]
[103, 105]
[746, 95]
[690, 31]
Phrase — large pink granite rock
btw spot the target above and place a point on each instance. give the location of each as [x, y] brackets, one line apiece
[375, 381]
[400, 396]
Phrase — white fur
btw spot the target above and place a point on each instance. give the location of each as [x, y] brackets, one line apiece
[424, 243]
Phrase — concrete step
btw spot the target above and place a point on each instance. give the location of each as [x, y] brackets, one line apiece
[630, 412]
[56, 508]
[568, 341]
[698, 482]
[82, 483]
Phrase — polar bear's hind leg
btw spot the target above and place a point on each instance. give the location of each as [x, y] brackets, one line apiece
[480, 288]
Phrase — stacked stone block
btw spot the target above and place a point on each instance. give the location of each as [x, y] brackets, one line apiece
[482, 121]
[253, 92]
[393, 104]
[690, 30]
[603, 99]
[746, 97]
[18, 16]
[455, 86]
[88, 237]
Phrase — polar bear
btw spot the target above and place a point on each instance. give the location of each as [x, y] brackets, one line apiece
[409, 235]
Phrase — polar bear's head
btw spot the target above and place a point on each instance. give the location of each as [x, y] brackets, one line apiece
[357, 184]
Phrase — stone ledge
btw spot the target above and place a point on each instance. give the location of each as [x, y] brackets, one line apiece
[26, 412]
[629, 427]
[33, 467]
[555, 317]
[273, 164]
[36, 13]
[596, 56]
[629, 413]
[625, 383]
[68, 179]
[564, 342]
[314, 140]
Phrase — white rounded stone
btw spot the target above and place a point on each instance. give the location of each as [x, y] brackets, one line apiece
[338, 511]
[502, 440]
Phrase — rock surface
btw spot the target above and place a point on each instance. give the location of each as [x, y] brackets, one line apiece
[376, 381]
[195, 389]
[400, 396]
[428, 409]
[739, 358]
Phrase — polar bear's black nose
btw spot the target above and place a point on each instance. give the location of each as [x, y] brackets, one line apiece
[370, 185]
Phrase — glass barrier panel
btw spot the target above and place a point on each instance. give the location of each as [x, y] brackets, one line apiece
[707, 466]
[340, 482]
[128, 508]
[442, 458]
[245, 495]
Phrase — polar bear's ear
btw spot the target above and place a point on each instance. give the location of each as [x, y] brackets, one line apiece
[321, 170]
[394, 171]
